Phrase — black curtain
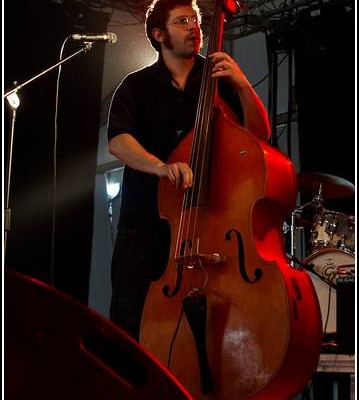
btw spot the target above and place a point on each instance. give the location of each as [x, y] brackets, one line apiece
[34, 33]
[325, 94]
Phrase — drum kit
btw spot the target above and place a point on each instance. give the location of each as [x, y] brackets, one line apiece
[330, 236]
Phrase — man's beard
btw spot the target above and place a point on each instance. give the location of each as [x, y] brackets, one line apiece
[168, 43]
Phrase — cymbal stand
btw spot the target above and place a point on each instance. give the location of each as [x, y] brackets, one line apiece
[316, 202]
[292, 234]
[293, 229]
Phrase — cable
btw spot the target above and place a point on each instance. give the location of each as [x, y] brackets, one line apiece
[53, 227]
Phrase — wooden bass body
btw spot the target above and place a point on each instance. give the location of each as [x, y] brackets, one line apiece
[256, 330]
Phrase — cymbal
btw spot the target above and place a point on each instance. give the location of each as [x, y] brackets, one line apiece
[332, 186]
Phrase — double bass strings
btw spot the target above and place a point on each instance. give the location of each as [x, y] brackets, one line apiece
[188, 241]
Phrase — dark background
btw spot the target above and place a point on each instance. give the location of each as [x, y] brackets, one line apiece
[34, 32]
[325, 94]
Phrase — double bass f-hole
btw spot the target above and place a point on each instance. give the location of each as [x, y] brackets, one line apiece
[258, 272]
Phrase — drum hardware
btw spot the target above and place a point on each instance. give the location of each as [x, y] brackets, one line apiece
[329, 229]
[330, 186]
[332, 259]
[346, 270]
[311, 268]
[296, 219]
[327, 268]
[333, 229]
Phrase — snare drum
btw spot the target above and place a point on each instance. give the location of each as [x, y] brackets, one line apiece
[329, 264]
[333, 230]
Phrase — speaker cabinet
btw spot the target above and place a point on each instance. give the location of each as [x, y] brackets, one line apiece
[57, 348]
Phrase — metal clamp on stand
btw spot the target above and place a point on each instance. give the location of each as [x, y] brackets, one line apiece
[316, 202]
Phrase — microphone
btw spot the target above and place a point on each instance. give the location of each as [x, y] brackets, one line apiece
[108, 37]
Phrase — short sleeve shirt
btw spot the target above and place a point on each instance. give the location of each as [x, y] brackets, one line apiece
[158, 115]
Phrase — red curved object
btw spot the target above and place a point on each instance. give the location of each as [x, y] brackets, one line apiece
[263, 325]
[57, 348]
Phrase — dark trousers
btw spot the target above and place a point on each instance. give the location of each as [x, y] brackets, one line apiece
[139, 257]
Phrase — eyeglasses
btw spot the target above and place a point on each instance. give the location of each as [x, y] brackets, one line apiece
[184, 20]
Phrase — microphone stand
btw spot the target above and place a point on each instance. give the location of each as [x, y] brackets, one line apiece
[14, 102]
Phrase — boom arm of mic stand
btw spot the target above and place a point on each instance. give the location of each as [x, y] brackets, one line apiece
[14, 102]
[87, 46]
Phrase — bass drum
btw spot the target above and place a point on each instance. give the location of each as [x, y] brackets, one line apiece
[327, 265]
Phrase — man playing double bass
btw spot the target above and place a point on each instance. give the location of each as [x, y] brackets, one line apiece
[152, 111]
[204, 194]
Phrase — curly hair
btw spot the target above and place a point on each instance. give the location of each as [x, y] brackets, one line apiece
[157, 15]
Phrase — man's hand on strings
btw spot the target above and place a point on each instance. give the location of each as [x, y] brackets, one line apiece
[179, 173]
[225, 66]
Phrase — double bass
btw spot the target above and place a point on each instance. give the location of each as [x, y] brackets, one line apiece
[230, 317]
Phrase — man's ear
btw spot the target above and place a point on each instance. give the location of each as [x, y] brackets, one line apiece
[157, 34]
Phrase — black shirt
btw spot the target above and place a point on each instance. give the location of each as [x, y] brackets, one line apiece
[159, 116]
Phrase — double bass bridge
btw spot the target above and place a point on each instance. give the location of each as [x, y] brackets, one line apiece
[199, 259]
